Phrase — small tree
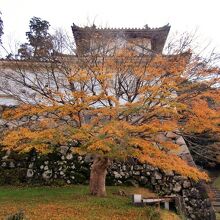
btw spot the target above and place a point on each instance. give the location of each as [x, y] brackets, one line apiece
[113, 106]
[40, 44]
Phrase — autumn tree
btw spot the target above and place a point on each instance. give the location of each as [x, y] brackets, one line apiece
[39, 45]
[112, 103]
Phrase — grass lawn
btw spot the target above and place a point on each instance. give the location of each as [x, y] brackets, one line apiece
[217, 185]
[74, 202]
[217, 182]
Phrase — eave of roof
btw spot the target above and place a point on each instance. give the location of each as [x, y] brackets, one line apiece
[157, 35]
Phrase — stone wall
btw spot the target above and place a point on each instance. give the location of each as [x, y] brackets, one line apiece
[66, 168]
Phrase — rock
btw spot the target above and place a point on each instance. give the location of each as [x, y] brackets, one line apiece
[183, 151]
[47, 174]
[46, 162]
[186, 184]
[138, 167]
[31, 165]
[153, 181]
[24, 119]
[143, 180]
[64, 149]
[30, 173]
[168, 172]
[11, 164]
[124, 168]
[69, 156]
[179, 178]
[46, 168]
[136, 173]
[122, 174]
[68, 181]
[157, 176]
[180, 141]
[186, 199]
[117, 175]
[150, 168]
[177, 187]
[4, 164]
[5, 157]
[8, 152]
[194, 193]
[89, 158]
[34, 117]
[42, 167]
[119, 182]
[11, 125]
[161, 138]
[192, 216]
[171, 134]
[74, 143]
[80, 158]
[61, 173]
[148, 173]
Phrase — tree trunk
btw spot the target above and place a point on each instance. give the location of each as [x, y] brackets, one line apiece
[97, 176]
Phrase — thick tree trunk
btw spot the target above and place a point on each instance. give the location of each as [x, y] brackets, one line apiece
[98, 175]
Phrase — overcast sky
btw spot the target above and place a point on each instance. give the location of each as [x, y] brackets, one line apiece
[182, 15]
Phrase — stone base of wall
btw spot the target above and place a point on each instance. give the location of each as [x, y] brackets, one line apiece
[67, 168]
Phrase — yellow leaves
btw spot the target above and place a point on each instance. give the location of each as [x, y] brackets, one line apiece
[169, 145]
[164, 161]
[23, 139]
[79, 94]
[140, 142]
[79, 76]
[104, 77]
[147, 152]
[100, 145]
[202, 118]
[80, 136]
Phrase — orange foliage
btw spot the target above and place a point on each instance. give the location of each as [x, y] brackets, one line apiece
[115, 107]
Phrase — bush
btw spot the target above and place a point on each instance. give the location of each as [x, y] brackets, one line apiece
[17, 216]
[12, 176]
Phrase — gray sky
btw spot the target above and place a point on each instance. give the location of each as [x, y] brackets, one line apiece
[184, 15]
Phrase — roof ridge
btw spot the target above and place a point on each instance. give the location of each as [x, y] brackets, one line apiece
[146, 27]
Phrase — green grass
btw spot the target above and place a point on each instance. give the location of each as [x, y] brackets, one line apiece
[74, 202]
[217, 183]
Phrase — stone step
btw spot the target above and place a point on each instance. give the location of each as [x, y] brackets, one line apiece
[215, 201]
[216, 204]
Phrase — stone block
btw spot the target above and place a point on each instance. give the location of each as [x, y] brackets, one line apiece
[171, 134]
[180, 141]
